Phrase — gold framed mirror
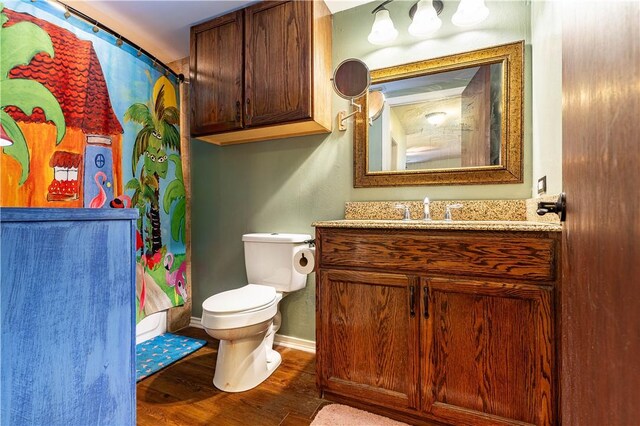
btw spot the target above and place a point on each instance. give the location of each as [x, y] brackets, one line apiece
[453, 120]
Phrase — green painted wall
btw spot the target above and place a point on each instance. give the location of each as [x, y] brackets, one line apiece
[285, 185]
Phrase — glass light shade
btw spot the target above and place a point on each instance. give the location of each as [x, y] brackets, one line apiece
[436, 118]
[425, 21]
[382, 31]
[470, 12]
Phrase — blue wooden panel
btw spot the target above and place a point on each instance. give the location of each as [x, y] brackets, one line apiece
[68, 322]
[35, 214]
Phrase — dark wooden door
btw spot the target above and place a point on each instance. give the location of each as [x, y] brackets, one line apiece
[489, 352]
[278, 76]
[217, 75]
[475, 120]
[600, 301]
[368, 336]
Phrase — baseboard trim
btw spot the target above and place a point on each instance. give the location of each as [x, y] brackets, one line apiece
[295, 343]
[280, 340]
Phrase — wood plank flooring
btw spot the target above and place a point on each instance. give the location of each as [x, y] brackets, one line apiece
[183, 393]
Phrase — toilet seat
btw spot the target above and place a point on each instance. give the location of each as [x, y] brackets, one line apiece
[241, 307]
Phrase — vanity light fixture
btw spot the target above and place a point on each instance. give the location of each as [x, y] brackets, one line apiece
[436, 118]
[424, 19]
[382, 31]
[470, 12]
[424, 15]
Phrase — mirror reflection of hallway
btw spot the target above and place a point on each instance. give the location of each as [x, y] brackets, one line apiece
[439, 121]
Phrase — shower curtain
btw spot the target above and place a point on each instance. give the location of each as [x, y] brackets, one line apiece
[87, 121]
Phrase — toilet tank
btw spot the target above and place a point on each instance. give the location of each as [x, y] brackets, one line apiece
[269, 260]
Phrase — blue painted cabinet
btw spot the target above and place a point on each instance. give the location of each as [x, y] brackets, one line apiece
[68, 316]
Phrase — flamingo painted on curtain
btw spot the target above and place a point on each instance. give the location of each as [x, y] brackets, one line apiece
[98, 201]
[178, 278]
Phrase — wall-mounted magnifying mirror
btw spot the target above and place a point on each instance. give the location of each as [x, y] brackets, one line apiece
[351, 80]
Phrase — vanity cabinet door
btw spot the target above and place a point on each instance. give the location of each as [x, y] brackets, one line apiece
[217, 75]
[278, 62]
[489, 352]
[368, 337]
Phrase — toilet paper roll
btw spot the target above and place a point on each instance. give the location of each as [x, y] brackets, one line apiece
[304, 261]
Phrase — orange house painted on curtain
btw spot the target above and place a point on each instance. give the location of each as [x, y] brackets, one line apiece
[84, 169]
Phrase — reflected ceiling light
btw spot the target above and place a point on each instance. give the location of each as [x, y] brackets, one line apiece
[470, 12]
[382, 31]
[424, 15]
[436, 118]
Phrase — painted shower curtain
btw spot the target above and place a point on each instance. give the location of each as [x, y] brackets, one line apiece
[88, 123]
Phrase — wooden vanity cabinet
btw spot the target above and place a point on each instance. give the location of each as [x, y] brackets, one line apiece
[262, 72]
[369, 321]
[456, 327]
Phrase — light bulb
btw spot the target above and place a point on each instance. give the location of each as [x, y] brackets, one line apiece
[470, 12]
[425, 21]
[382, 31]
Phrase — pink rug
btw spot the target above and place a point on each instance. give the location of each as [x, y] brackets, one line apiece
[342, 415]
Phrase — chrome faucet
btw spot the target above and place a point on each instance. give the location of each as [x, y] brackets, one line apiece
[447, 213]
[427, 211]
[407, 213]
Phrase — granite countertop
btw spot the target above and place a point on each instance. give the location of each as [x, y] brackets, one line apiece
[459, 225]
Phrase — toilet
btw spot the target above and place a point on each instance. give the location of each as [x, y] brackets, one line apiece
[245, 320]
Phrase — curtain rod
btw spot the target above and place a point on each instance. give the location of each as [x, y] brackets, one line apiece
[119, 37]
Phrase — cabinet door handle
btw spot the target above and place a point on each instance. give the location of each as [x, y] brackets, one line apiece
[238, 111]
[246, 109]
[426, 301]
[412, 301]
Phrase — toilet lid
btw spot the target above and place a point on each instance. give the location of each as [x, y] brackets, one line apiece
[251, 297]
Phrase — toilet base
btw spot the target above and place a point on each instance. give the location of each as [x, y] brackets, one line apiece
[243, 364]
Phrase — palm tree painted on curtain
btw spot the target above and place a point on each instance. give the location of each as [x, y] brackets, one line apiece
[157, 134]
[175, 193]
[19, 43]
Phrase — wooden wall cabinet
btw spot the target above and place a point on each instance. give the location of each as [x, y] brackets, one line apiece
[261, 73]
[452, 327]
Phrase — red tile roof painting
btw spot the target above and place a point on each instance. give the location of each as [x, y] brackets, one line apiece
[75, 78]
[65, 159]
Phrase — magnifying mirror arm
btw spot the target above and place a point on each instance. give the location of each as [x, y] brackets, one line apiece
[343, 116]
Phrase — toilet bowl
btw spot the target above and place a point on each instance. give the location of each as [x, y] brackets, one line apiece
[246, 319]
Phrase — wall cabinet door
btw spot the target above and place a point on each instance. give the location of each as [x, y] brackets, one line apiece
[489, 352]
[278, 62]
[368, 337]
[217, 75]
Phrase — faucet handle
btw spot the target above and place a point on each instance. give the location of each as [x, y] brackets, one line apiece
[407, 213]
[427, 210]
[447, 213]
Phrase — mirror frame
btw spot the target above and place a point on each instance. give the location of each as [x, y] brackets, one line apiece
[511, 149]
